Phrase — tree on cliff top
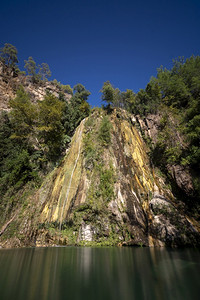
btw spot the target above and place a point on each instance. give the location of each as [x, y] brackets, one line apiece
[76, 109]
[115, 98]
[8, 55]
[108, 93]
[30, 66]
[44, 71]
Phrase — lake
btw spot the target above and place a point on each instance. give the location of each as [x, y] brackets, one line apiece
[99, 273]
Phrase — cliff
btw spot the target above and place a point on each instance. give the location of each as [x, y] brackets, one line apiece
[124, 179]
[104, 192]
[10, 83]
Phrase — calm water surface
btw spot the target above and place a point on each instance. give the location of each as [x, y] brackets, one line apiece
[99, 273]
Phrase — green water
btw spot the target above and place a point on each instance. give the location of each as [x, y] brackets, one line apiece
[99, 273]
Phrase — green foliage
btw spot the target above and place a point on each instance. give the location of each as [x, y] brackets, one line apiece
[44, 71]
[5, 131]
[8, 55]
[19, 170]
[17, 165]
[129, 99]
[108, 93]
[37, 73]
[23, 115]
[50, 128]
[67, 89]
[80, 92]
[106, 185]
[147, 101]
[31, 67]
[101, 190]
[76, 109]
[180, 89]
[90, 150]
[105, 131]
[114, 97]
[168, 149]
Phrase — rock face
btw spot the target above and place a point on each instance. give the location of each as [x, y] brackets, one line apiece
[150, 125]
[86, 233]
[9, 83]
[106, 192]
[168, 225]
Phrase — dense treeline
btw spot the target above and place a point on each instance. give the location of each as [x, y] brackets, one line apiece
[175, 94]
[34, 136]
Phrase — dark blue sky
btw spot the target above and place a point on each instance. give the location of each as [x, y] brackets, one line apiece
[94, 41]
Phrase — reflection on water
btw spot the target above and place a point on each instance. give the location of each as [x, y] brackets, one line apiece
[99, 273]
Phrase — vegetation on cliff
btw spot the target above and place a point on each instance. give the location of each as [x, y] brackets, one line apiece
[174, 95]
[8, 56]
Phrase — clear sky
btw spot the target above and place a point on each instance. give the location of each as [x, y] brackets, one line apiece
[98, 40]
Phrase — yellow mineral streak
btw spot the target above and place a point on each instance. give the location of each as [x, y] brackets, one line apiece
[55, 214]
[138, 182]
[46, 210]
[138, 152]
[66, 182]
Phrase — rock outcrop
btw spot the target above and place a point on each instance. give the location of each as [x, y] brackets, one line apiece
[9, 83]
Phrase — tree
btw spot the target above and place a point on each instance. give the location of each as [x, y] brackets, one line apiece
[8, 55]
[30, 66]
[67, 89]
[128, 100]
[50, 128]
[44, 71]
[76, 109]
[16, 166]
[108, 93]
[23, 115]
[113, 96]
[80, 92]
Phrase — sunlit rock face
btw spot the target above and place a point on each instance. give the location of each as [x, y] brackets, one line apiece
[9, 83]
[141, 210]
